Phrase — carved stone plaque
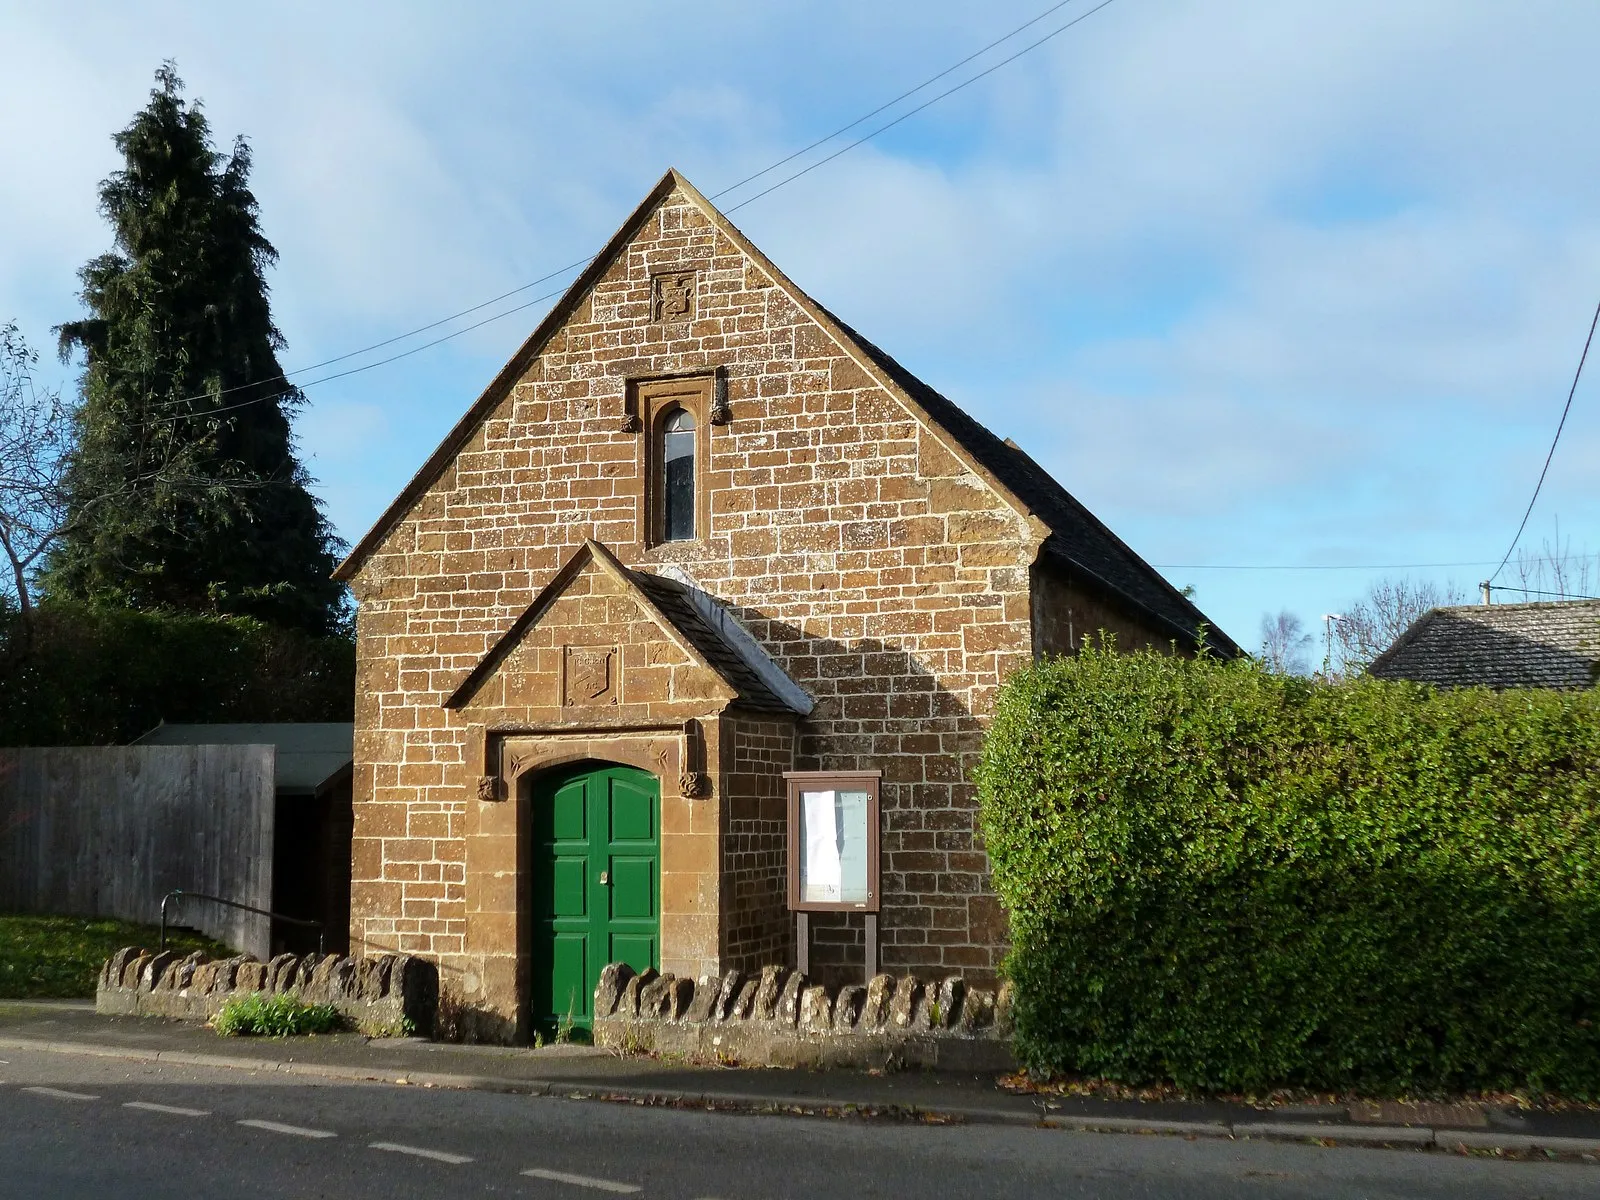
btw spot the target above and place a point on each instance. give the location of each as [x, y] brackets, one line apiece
[672, 296]
[590, 675]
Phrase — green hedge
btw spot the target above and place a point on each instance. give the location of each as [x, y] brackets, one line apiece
[1237, 880]
[80, 675]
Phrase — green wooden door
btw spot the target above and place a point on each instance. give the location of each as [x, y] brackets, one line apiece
[596, 871]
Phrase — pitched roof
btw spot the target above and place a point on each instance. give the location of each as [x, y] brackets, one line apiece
[755, 680]
[746, 674]
[1551, 644]
[1077, 543]
[311, 754]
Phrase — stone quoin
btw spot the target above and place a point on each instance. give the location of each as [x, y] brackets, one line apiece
[696, 534]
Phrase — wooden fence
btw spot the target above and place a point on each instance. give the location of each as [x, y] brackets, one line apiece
[106, 831]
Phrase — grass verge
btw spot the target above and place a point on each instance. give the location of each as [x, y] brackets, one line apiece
[58, 958]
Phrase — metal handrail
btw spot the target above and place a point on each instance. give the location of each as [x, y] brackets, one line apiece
[318, 925]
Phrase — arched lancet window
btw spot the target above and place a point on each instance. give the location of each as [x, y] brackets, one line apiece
[677, 460]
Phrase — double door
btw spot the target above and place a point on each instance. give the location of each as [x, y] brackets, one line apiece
[596, 875]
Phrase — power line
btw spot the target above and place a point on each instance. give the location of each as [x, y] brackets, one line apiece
[1577, 375]
[1311, 566]
[913, 112]
[399, 337]
[357, 370]
[1537, 592]
[887, 104]
[287, 375]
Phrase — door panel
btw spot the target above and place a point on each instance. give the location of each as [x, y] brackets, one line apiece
[595, 874]
[633, 889]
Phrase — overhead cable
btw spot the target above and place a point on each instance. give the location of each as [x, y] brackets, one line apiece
[1545, 470]
[286, 376]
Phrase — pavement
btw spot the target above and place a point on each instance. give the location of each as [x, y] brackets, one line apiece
[584, 1072]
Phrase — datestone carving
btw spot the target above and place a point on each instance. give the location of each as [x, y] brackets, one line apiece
[673, 296]
[590, 675]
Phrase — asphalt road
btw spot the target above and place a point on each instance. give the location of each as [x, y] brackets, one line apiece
[108, 1129]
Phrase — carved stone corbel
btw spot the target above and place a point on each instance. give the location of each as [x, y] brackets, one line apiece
[693, 785]
[488, 787]
[721, 413]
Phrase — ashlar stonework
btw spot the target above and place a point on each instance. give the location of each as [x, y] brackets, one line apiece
[867, 565]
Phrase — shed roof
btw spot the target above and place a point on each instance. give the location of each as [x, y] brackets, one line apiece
[1549, 644]
[311, 754]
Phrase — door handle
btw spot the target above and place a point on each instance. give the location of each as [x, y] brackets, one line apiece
[605, 878]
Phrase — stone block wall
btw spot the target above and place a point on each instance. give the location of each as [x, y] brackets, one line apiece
[382, 996]
[779, 1017]
[755, 863]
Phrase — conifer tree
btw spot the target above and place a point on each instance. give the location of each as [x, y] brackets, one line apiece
[184, 487]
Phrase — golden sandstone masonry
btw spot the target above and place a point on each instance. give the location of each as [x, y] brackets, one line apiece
[696, 534]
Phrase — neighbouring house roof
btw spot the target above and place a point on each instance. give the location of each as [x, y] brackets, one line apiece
[1078, 544]
[700, 623]
[1552, 644]
[311, 754]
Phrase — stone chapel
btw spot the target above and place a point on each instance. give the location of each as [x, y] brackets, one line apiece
[699, 535]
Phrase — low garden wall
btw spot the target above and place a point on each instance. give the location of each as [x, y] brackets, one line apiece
[777, 1017]
[389, 994]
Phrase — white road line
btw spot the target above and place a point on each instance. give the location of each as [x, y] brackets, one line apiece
[59, 1094]
[454, 1160]
[295, 1130]
[588, 1181]
[172, 1109]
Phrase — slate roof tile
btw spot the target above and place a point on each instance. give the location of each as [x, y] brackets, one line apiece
[1550, 644]
[1079, 541]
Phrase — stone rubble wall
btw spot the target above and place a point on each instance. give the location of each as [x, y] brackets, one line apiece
[778, 1017]
[386, 995]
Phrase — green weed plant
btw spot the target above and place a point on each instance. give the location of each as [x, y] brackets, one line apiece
[280, 1015]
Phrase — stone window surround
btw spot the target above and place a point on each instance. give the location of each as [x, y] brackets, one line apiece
[652, 401]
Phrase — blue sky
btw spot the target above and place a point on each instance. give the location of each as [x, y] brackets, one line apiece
[1290, 285]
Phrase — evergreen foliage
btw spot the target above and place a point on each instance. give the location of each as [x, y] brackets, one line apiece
[1233, 879]
[184, 490]
[76, 674]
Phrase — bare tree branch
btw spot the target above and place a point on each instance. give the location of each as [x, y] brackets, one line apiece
[1369, 626]
[1285, 644]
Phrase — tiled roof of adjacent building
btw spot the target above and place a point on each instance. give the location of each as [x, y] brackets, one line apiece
[1553, 644]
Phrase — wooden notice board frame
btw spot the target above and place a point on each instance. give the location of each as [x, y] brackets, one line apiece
[816, 781]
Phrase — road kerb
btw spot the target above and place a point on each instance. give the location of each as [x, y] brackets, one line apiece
[1478, 1139]
[1091, 1124]
[1381, 1135]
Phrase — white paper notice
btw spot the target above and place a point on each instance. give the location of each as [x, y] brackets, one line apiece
[824, 877]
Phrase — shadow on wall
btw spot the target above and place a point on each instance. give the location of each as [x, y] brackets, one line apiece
[878, 708]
